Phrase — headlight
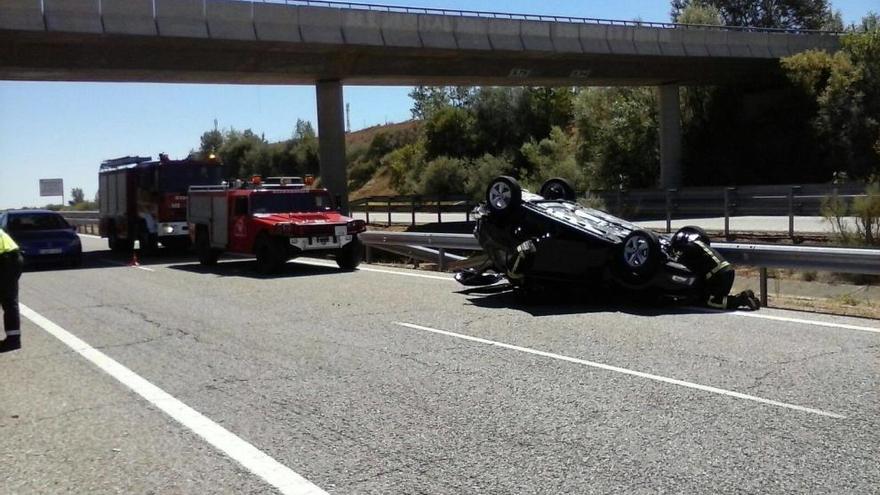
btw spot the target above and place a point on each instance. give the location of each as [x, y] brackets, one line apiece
[169, 229]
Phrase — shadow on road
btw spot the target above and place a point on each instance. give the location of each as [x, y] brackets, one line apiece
[248, 269]
[572, 301]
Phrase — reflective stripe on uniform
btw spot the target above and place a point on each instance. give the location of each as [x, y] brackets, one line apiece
[721, 305]
[13, 333]
[7, 244]
[717, 269]
[719, 265]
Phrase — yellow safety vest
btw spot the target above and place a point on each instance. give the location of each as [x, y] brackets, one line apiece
[7, 245]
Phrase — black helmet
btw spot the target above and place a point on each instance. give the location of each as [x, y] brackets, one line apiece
[688, 235]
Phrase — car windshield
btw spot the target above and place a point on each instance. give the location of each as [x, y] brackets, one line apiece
[289, 202]
[37, 221]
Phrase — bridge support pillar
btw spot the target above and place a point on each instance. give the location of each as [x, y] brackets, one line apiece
[331, 141]
[669, 110]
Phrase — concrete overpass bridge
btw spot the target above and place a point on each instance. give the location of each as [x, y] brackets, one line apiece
[330, 44]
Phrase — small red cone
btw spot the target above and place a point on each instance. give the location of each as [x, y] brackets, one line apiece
[134, 259]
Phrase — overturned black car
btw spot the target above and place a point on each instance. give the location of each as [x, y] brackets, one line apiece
[546, 240]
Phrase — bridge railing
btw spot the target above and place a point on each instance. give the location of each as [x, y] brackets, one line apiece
[534, 17]
[763, 256]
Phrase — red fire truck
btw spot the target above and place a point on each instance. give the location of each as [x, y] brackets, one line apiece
[144, 200]
[277, 220]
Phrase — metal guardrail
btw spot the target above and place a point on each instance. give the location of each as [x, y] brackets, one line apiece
[763, 256]
[635, 205]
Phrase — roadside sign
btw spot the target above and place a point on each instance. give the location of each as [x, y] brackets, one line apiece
[51, 187]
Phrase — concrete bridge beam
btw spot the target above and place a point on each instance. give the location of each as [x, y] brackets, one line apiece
[331, 141]
[669, 109]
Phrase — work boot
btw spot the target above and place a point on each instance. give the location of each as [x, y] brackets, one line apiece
[12, 343]
[751, 301]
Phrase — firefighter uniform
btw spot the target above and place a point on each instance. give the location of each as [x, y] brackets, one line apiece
[718, 277]
[10, 271]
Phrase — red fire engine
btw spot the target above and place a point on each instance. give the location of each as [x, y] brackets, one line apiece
[144, 200]
[277, 220]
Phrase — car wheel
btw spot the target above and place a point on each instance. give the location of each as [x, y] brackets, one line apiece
[503, 194]
[692, 230]
[349, 256]
[640, 254]
[558, 188]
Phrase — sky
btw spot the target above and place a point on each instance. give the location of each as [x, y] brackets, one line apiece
[64, 130]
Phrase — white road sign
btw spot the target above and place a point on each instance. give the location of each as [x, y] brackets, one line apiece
[51, 187]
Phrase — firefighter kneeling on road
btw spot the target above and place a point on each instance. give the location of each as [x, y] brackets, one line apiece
[10, 271]
[718, 276]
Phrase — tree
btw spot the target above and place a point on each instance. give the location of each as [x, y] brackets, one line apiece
[450, 132]
[444, 176]
[427, 100]
[77, 196]
[211, 142]
[697, 13]
[617, 129]
[791, 14]
[554, 156]
[846, 89]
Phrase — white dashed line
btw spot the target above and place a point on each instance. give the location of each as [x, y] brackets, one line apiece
[273, 472]
[806, 322]
[672, 381]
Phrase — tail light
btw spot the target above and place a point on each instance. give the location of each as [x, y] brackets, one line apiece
[356, 226]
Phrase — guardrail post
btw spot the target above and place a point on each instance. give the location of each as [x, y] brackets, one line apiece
[389, 212]
[791, 193]
[669, 193]
[413, 211]
[467, 211]
[367, 210]
[763, 288]
[441, 266]
[727, 205]
[368, 254]
[439, 210]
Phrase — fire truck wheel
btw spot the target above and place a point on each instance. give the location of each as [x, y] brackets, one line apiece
[119, 245]
[349, 257]
[270, 259]
[207, 256]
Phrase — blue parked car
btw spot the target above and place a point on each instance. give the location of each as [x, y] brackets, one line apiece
[44, 237]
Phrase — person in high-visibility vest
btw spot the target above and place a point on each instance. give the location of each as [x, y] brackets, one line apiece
[11, 264]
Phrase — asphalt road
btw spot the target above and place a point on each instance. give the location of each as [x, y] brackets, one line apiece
[395, 381]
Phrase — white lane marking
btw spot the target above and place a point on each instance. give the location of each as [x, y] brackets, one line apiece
[374, 270]
[806, 322]
[120, 263]
[273, 472]
[625, 371]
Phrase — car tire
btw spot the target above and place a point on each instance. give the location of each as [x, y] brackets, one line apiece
[693, 229]
[269, 260]
[207, 256]
[503, 194]
[558, 188]
[639, 256]
[349, 256]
